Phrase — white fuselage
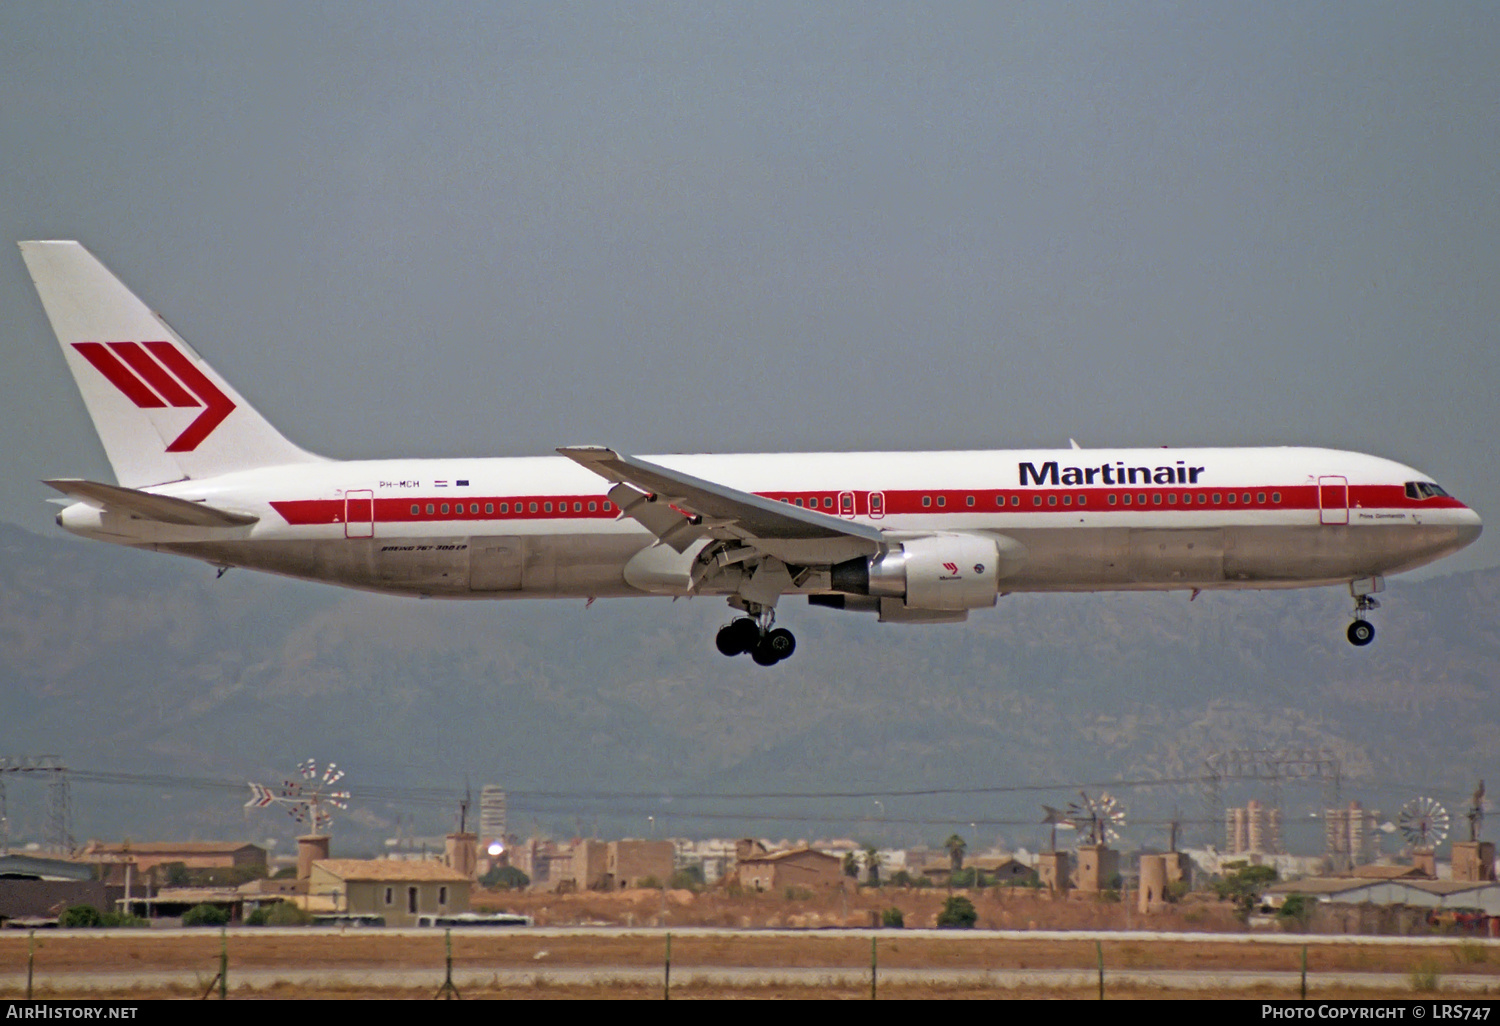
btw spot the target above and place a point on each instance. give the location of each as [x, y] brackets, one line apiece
[1079, 519]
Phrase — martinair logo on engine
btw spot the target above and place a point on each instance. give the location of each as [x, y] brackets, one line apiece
[952, 569]
[158, 375]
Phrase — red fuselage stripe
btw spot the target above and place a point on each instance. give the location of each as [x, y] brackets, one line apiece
[896, 503]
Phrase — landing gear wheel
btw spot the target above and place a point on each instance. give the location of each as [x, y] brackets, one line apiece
[773, 647]
[1361, 633]
[763, 655]
[737, 637]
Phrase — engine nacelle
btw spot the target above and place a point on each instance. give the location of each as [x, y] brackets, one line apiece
[939, 571]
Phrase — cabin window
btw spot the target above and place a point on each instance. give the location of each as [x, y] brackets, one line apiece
[1217, 498]
[429, 509]
[415, 509]
[1156, 498]
[999, 500]
[1246, 498]
[1036, 500]
[1067, 500]
[1233, 498]
[505, 507]
[1261, 498]
[577, 507]
[1052, 500]
[1083, 500]
[473, 507]
[533, 507]
[1172, 498]
[828, 502]
[942, 500]
[799, 502]
[1202, 500]
[1140, 500]
[445, 507]
[1113, 498]
[970, 501]
[927, 500]
[546, 507]
[606, 507]
[1276, 497]
[1015, 500]
[593, 506]
[489, 507]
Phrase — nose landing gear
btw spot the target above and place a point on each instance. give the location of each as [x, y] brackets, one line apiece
[753, 634]
[1361, 632]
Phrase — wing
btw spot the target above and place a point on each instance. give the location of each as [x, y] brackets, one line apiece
[680, 509]
[141, 505]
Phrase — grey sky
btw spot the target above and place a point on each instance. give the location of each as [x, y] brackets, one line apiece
[425, 229]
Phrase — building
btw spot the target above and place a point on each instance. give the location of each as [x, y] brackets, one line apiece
[492, 815]
[35, 891]
[1252, 828]
[397, 891]
[1474, 861]
[800, 867]
[1098, 868]
[149, 858]
[637, 863]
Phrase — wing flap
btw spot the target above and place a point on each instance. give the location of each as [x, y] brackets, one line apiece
[163, 509]
[710, 508]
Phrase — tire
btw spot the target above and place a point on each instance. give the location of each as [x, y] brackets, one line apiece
[727, 641]
[763, 655]
[1361, 633]
[738, 637]
[781, 642]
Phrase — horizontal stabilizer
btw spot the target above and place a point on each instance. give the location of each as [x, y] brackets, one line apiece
[144, 506]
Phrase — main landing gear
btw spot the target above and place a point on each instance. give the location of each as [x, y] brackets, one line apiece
[755, 635]
[1361, 632]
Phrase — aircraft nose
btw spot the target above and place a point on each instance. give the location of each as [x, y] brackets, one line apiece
[1470, 527]
[1466, 527]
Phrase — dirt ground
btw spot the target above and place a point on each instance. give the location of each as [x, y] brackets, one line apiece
[524, 958]
[999, 908]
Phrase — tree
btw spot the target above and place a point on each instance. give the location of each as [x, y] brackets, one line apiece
[205, 915]
[958, 914]
[851, 865]
[76, 917]
[689, 878]
[872, 865]
[956, 847]
[892, 918]
[1294, 912]
[505, 878]
[1243, 884]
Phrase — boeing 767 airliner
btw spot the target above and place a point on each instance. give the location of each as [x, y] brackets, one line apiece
[913, 537]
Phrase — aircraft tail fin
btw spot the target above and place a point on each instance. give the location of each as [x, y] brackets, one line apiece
[162, 413]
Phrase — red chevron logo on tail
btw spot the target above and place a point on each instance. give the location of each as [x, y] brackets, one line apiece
[157, 375]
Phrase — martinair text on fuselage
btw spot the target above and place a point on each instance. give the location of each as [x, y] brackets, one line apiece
[1108, 474]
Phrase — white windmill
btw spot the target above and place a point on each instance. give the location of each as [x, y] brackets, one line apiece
[308, 800]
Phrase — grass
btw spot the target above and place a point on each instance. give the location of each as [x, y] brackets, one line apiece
[1425, 977]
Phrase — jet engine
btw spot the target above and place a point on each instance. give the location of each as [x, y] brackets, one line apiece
[937, 572]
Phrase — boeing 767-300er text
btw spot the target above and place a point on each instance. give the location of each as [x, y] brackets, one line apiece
[912, 537]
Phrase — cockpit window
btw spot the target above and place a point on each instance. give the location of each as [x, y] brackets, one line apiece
[1424, 490]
